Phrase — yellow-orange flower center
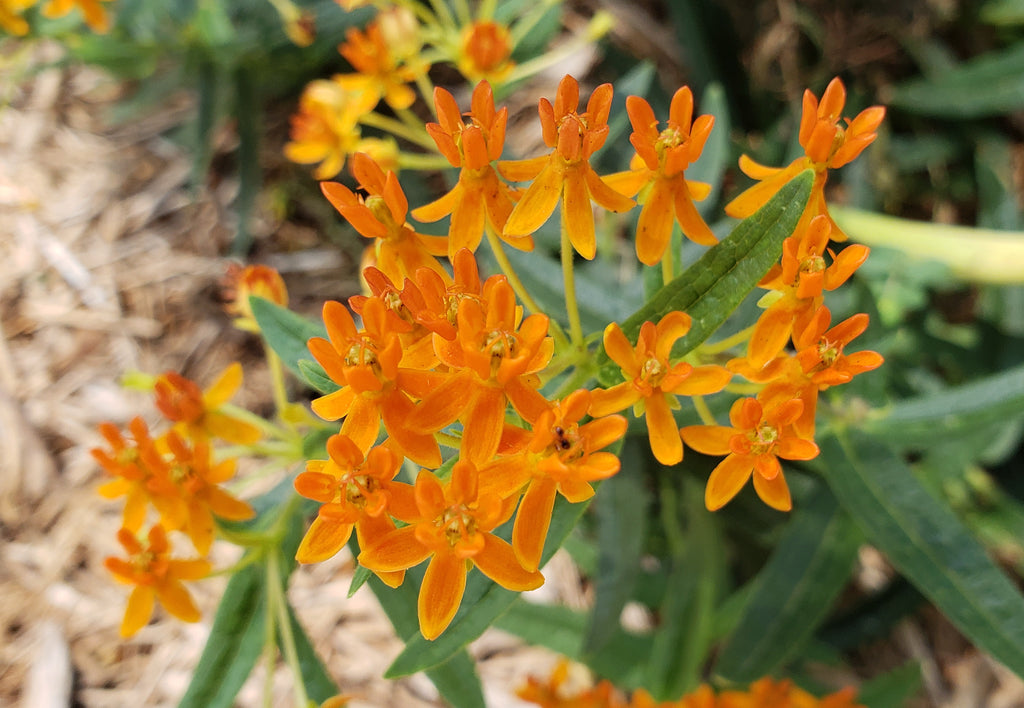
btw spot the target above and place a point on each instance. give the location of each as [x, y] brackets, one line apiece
[361, 354]
[458, 523]
[828, 352]
[762, 438]
[653, 372]
[812, 264]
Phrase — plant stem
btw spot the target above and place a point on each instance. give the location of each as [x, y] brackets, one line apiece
[276, 597]
[399, 129]
[569, 277]
[727, 343]
[706, 416]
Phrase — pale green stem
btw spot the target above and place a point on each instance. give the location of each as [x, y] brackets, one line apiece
[744, 389]
[276, 379]
[575, 380]
[426, 88]
[424, 15]
[706, 416]
[239, 413]
[599, 25]
[398, 129]
[276, 597]
[463, 13]
[485, 11]
[527, 22]
[569, 277]
[727, 343]
[444, 14]
[269, 656]
[667, 266]
[416, 161]
[449, 441]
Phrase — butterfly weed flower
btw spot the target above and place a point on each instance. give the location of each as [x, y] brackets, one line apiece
[156, 577]
[479, 199]
[565, 176]
[356, 492]
[485, 51]
[653, 382]
[242, 283]
[827, 143]
[452, 527]
[397, 250]
[384, 68]
[759, 436]
[135, 463]
[326, 128]
[199, 414]
[662, 157]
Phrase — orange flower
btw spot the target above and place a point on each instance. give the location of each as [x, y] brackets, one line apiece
[652, 382]
[753, 445]
[561, 457]
[784, 694]
[496, 356]
[485, 51]
[10, 15]
[452, 527]
[355, 491]
[185, 490]
[156, 576]
[95, 15]
[375, 386]
[566, 173]
[664, 155]
[133, 463]
[242, 283]
[382, 73]
[827, 145]
[800, 280]
[197, 414]
[434, 303]
[326, 128]
[397, 249]
[479, 198]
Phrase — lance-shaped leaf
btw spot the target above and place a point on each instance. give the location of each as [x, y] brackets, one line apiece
[715, 285]
[926, 542]
[285, 331]
[794, 591]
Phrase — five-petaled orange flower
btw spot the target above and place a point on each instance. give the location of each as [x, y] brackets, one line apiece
[242, 283]
[133, 464]
[652, 382]
[197, 414]
[397, 249]
[755, 442]
[827, 145]
[156, 576]
[382, 71]
[453, 528]
[326, 128]
[663, 156]
[479, 198]
[566, 175]
[355, 491]
[562, 456]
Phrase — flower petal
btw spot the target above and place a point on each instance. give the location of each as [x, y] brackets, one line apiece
[727, 480]
[443, 586]
[773, 492]
[323, 540]
[532, 522]
[498, 562]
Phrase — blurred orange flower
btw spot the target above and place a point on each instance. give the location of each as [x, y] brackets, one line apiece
[198, 414]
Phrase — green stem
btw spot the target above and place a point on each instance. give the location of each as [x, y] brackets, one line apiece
[579, 376]
[706, 416]
[569, 277]
[727, 343]
[399, 129]
[268, 428]
[276, 379]
[276, 597]
[463, 13]
[667, 266]
[416, 161]
[444, 14]
[450, 441]
[269, 654]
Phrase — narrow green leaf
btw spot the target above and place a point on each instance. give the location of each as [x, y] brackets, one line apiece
[891, 690]
[248, 116]
[688, 609]
[319, 684]
[456, 679]
[716, 284]
[926, 542]
[234, 645]
[956, 411]
[621, 530]
[314, 374]
[285, 331]
[794, 591]
[483, 602]
[989, 85]
[359, 579]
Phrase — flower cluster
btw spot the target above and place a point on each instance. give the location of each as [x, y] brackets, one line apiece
[177, 475]
[449, 359]
[12, 21]
[557, 692]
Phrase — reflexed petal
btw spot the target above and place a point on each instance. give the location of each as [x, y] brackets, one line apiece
[362, 424]
[654, 229]
[224, 387]
[773, 492]
[690, 221]
[662, 431]
[138, 611]
[703, 380]
[604, 195]
[708, 439]
[770, 335]
[443, 586]
[669, 329]
[395, 551]
[195, 569]
[536, 204]
[727, 480]
[176, 600]
[467, 224]
[796, 449]
[602, 432]
[498, 562]
[228, 507]
[231, 429]
[334, 405]
[323, 540]
[612, 400]
[532, 522]
[578, 214]
[483, 424]
[439, 208]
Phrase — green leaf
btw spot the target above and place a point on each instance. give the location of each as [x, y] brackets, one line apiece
[285, 331]
[483, 602]
[891, 690]
[621, 511]
[314, 374]
[926, 542]
[319, 684]
[716, 284]
[687, 611]
[455, 679]
[359, 579]
[954, 412]
[794, 591]
[234, 645]
[989, 85]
